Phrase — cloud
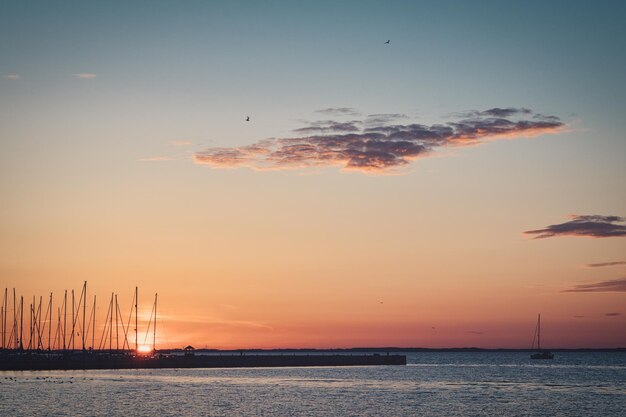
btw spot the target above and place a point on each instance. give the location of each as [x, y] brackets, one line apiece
[339, 111]
[156, 159]
[613, 314]
[85, 75]
[602, 264]
[616, 285]
[584, 226]
[383, 118]
[13, 76]
[379, 146]
[329, 126]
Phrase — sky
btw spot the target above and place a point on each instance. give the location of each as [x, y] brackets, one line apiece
[439, 190]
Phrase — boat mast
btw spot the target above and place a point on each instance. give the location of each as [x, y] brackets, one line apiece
[32, 326]
[539, 333]
[155, 323]
[111, 324]
[117, 327]
[136, 319]
[93, 327]
[39, 326]
[14, 320]
[84, 297]
[73, 320]
[50, 328]
[4, 318]
[64, 319]
[21, 321]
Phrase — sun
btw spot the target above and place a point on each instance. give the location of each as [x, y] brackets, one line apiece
[144, 349]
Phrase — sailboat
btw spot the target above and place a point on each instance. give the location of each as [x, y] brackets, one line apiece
[539, 354]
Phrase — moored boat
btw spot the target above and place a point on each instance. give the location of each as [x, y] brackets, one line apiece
[540, 354]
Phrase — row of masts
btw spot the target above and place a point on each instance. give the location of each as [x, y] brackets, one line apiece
[77, 332]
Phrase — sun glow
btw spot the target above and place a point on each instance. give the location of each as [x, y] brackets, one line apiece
[144, 349]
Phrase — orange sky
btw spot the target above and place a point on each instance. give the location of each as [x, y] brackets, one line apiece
[344, 212]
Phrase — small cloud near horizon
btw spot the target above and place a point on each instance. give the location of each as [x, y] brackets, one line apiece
[613, 314]
[13, 77]
[587, 225]
[603, 264]
[85, 75]
[616, 285]
[378, 146]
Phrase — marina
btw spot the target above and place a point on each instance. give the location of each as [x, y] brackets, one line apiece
[73, 341]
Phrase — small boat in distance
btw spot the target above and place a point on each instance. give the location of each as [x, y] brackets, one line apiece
[539, 354]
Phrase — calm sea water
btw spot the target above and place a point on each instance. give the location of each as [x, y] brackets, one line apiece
[433, 384]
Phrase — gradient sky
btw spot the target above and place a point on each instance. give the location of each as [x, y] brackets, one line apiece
[106, 106]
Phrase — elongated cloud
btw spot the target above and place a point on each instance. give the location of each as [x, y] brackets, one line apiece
[584, 226]
[603, 264]
[339, 111]
[377, 144]
[613, 314]
[85, 75]
[616, 285]
[13, 77]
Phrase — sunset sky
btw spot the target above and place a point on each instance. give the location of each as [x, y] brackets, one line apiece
[440, 190]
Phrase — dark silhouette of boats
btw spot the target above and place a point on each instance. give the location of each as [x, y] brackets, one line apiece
[78, 360]
[37, 345]
[540, 354]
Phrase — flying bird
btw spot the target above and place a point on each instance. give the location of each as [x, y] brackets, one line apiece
[388, 42]
[247, 118]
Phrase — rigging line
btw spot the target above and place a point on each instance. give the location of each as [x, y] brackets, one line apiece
[56, 333]
[106, 321]
[37, 320]
[130, 315]
[124, 329]
[77, 315]
[149, 323]
[11, 336]
[89, 322]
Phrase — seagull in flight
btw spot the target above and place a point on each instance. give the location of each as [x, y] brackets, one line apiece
[247, 118]
[388, 42]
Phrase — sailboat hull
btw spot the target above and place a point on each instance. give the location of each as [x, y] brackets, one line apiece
[542, 355]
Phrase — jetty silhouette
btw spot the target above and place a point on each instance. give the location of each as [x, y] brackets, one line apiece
[37, 347]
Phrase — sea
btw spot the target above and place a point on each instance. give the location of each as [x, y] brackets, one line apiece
[432, 384]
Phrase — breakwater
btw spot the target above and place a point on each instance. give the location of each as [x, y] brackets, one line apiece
[90, 360]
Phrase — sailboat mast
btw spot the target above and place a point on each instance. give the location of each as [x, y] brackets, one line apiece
[14, 320]
[539, 333]
[50, 327]
[93, 326]
[111, 324]
[4, 318]
[117, 327]
[64, 319]
[84, 312]
[155, 323]
[73, 320]
[21, 322]
[136, 319]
